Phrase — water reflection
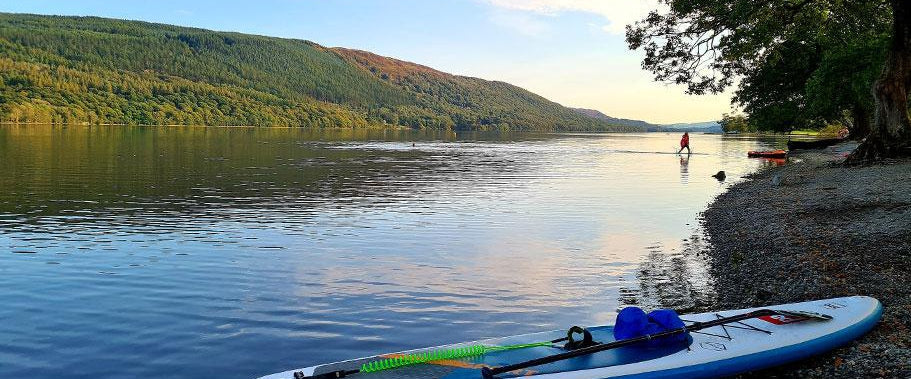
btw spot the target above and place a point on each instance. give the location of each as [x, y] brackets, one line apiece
[275, 248]
[674, 278]
[684, 169]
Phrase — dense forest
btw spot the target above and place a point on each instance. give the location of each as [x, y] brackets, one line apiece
[56, 69]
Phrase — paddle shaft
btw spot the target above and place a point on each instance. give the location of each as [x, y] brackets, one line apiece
[488, 373]
[345, 373]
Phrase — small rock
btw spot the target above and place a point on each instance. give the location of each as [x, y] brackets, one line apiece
[720, 176]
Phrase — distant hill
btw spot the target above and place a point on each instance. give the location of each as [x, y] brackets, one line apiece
[613, 120]
[95, 70]
[698, 127]
[705, 127]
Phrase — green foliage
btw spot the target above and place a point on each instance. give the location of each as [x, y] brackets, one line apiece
[38, 93]
[799, 63]
[94, 70]
[833, 130]
[841, 83]
[735, 123]
[812, 79]
[773, 94]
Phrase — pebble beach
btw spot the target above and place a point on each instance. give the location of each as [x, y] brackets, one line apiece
[814, 229]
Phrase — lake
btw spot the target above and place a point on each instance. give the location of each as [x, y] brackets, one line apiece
[189, 252]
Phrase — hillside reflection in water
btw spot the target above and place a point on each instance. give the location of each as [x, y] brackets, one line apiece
[179, 252]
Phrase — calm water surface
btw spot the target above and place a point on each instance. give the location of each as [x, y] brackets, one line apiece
[238, 252]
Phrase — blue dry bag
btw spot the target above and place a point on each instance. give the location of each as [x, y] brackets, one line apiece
[632, 322]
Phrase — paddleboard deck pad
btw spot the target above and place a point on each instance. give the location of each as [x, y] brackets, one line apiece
[717, 351]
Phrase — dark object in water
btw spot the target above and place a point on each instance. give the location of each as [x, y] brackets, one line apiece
[817, 144]
[768, 154]
[720, 176]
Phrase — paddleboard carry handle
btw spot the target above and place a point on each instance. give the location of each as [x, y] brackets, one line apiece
[573, 344]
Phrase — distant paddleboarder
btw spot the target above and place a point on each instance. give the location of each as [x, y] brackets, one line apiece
[685, 143]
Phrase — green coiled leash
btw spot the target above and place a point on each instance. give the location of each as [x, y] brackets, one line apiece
[451, 353]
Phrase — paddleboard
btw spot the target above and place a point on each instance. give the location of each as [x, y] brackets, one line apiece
[717, 351]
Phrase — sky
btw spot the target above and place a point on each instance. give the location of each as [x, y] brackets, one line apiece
[569, 51]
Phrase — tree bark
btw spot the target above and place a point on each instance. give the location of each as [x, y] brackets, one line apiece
[890, 135]
[860, 122]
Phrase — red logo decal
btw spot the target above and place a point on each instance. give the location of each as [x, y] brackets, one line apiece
[781, 319]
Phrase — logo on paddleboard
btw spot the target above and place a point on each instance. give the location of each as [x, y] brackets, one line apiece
[781, 319]
[716, 346]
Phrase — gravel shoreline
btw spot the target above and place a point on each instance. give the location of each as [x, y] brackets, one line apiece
[822, 231]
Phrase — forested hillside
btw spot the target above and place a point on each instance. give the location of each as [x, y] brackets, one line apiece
[92, 70]
[613, 120]
[700, 127]
[470, 102]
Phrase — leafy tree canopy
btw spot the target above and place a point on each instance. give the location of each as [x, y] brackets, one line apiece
[794, 62]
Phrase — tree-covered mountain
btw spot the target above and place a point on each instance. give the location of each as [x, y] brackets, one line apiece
[56, 69]
[613, 120]
[702, 127]
[699, 127]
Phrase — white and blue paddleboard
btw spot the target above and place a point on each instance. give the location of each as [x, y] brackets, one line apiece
[717, 351]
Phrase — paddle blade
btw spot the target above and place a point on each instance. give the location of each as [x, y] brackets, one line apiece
[804, 314]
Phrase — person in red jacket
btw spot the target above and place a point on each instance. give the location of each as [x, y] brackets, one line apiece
[685, 142]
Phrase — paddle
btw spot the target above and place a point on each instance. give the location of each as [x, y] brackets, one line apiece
[488, 372]
[436, 355]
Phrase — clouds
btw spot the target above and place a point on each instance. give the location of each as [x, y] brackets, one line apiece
[617, 13]
[523, 23]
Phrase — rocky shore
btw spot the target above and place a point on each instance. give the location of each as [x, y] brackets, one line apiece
[813, 229]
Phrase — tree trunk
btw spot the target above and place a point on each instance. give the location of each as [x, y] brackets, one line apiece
[890, 135]
[860, 127]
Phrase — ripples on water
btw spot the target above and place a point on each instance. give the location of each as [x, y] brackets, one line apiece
[188, 252]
